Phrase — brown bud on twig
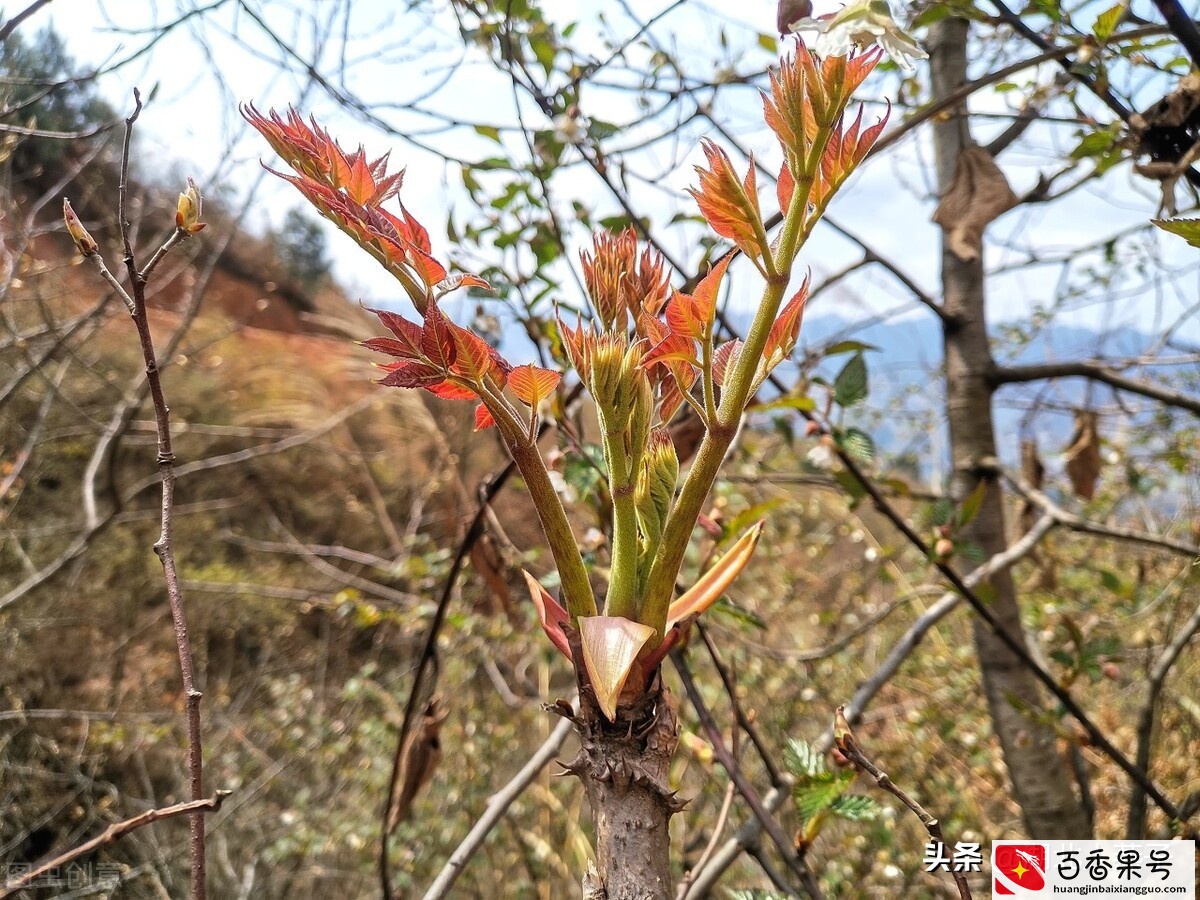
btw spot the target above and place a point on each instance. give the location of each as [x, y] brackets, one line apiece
[85, 242]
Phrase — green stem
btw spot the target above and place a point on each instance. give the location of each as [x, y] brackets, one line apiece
[622, 584]
[660, 584]
[576, 587]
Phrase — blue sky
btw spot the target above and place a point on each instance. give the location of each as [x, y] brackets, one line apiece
[203, 68]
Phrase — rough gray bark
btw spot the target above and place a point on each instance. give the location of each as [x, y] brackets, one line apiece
[1040, 778]
[624, 766]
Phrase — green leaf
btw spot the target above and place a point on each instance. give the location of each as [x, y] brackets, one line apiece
[1188, 229]
[851, 485]
[848, 347]
[858, 445]
[850, 386]
[972, 504]
[768, 43]
[488, 131]
[802, 761]
[802, 403]
[1098, 143]
[1106, 23]
[755, 894]
[939, 513]
[813, 796]
[855, 807]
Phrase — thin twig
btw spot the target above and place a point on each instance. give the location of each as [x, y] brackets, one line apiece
[117, 830]
[749, 794]
[846, 743]
[497, 806]
[163, 547]
[1136, 823]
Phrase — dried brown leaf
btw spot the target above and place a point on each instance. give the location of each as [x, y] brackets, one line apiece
[978, 195]
[422, 753]
[1083, 455]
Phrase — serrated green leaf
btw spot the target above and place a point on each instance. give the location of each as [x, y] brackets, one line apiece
[858, 445]
[1188, 229]
[971, 552]
[802, 761]
[850, 386]
[855, 808]
[1106, 23]
[939, 513]
[813, 796]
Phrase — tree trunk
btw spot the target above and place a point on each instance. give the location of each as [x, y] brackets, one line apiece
[1040, 778]
[625, 767]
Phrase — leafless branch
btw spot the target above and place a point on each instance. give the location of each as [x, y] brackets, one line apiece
[115, 831]
[497, 806]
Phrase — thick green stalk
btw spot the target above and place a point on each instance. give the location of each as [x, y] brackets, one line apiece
[660, 585]
[622, 584]
[576, 587]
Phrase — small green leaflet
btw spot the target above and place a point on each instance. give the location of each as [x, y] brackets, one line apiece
[1188, 229]
[850, 386]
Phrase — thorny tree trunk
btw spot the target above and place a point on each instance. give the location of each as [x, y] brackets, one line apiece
[625, 767]
[1040, 779]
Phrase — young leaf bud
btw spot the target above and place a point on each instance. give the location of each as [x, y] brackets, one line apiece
[85, 242]
[188, 209]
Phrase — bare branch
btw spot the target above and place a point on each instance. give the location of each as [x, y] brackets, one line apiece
[115, 831]
[1002, 375]
[497, 806]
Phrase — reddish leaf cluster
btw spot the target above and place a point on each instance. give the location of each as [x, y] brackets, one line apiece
[806, 110]
[443, 358]
[349, 190]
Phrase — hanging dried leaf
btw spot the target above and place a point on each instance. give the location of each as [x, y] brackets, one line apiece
[487, 560]
[1034, 474]
[422, 752]
[1083, 455]
[978, 195]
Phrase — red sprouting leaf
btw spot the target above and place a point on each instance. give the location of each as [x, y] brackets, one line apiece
[360, 186]
[786, 328]
[392, 347]
[673, 388]
[725, 359]
[448, 390]
[406, 332]
[437, 340]
[532, 383]
[475, 358]
[456, 281]
[675, 347]
[785, 186]
[682, 317]
[483, 418]
[577, 342]
[724, 202]
[705, 297]
[412, 375]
